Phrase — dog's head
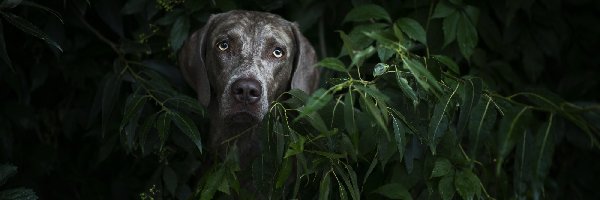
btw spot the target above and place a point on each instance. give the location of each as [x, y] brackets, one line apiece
[240, 61]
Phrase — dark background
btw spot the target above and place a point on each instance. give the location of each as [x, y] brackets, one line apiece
[51, 102]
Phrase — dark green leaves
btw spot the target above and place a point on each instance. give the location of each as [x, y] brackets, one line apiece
[459, 23]
[413, 29]
[333, 64]
[467, 184]
[441, 168]
[512, 127]
[394, 191]
[188, 127]
[466, 34]
[439, 120]
[367, 12]
[29, 28]
[179, 32]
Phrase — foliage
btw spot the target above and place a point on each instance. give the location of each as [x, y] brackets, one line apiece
[426, 99]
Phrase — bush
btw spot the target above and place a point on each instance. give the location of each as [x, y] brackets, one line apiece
[426, 99]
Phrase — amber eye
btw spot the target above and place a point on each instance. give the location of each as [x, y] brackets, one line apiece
[278, 52]
[223, 45]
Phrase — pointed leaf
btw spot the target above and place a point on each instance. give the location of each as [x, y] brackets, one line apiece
[362, 55]
[29, 28]
[163, 125]
[467, 184]
[441, 167]
[316, 101]
[367, 12]
[400, 136]
[284, 173]
[446, 187]
[188, 127]
[511, 127]
[133, 105]
[471, 93]
[439, 120]
[443, 9]
[481, 123]
[325, 187]
[466, 35]
[179, 32]
[333, 64]
[448, 62]
[449, 26]
[422, 75]
[413, 29]
[394, 191]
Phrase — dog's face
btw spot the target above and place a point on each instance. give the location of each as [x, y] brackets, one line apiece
[240, 61]
[250, 54]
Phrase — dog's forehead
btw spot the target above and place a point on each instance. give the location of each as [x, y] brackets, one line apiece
[264, 25]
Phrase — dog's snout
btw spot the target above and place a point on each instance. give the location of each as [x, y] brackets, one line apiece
[246, 91]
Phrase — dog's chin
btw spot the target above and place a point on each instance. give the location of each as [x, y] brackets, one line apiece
[243, 118]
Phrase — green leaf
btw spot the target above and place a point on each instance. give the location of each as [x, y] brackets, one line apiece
[349, 118]
[400, 136]
[544, 144]
[316, 101]
[143, 131]
[413, 29]
[18, 194]
[370, 170]
[110, 95]
[348, 44]
[466, 35]
[133, 105]
[170, 180]
[380, 69]
[446, 186]
[439, 120]
[325, 187]
[213, 182]
[448, 62]
[29, 28]
[375, 112]
[361, 56]
[449, 26]
[371, 90]
[441, 167]
[185, 103]
[284, 173]
[179, 32]
[367, 12]
[6, 171]
[163, 124]
[333, 64]
[467, 184]
[406, 88]
[384, 53]
[295, 147]
[384, 40]
[188, 127]
[394, 191]
[3, 52]
[482, 121]
[471, 93]
[443, 9]
[422, 75]
[511, 126]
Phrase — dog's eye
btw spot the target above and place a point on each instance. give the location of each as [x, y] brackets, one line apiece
[278, 52]
[223, 45]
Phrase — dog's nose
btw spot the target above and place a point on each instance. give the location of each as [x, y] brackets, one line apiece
[247, 91]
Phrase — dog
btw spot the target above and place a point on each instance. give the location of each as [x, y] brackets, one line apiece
[238, 63]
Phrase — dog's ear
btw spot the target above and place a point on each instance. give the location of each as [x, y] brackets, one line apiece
[306, 75]
[192, 62]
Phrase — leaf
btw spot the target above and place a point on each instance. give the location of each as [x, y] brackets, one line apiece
[133, 105]
[367, 12]
[212, 183]
[133, 6]
[35, 5]
[163, 124]
[349, 118]
[360, 56]
[471, 93]
[467, 184]
[179, 32]
[284, 173]
[295, 147]
[511, 126]
[110, 95]
[170, 180]
[439, 120]
[544, 144]
[443, 9]
[384, 53]
[333, 64]
[188, 127]
[380, 69]
[325, 187]
[18, 194]
[315, 102]
[375, 112]
[422, 75]
[446, 187]
[394, 191]
[448, 62]
[406, 88]
[483, 118]
[6, 171]
[413, 29]
[400, 136]
[29, 28]
[382, 39]
[466, 35]
[370, 170]
[441, 167]
[449, 26]
[371, 90]
[143, 131]
[3, 52]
